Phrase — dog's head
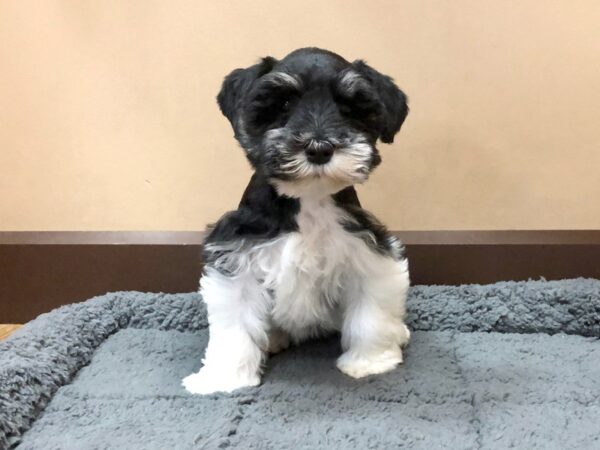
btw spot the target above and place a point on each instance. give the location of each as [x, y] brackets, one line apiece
[312, 119]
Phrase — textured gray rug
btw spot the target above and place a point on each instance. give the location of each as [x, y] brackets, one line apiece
[497, 366]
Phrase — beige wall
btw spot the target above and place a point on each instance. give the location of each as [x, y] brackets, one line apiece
[108, 119]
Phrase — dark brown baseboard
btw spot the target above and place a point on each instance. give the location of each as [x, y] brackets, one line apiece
[40, 271]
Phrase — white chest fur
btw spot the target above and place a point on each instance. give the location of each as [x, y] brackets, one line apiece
[314, 267]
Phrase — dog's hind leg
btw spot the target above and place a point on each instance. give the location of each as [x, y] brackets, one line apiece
[237, 316]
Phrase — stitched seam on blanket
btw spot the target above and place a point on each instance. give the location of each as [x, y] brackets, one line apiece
[475, 419]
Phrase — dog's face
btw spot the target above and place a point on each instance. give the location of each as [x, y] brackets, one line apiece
[312, 118]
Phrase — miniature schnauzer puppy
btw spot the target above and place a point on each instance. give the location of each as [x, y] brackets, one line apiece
[300, 258]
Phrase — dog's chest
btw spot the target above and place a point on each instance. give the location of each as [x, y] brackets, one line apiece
[313, 267]
[319, 249]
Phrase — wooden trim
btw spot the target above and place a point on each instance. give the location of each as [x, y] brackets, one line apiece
[38, 278]
[501, 237]
[6, 329]
[42, 270]
[436, 237]
[101, 237]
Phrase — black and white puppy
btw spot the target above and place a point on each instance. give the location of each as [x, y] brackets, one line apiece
[300, 258]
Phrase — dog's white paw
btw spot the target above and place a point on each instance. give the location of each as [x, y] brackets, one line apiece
[404, 336]
[209, 381]
[361, 365]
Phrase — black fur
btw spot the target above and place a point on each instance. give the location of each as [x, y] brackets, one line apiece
[310, 99]
[261, 215]
[366, 226]
[395, 103]
[236, 85]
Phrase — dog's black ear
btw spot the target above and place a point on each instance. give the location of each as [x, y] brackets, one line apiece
[393, 99]
[237, 84]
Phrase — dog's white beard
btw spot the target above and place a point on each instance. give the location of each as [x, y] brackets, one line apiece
[348, 166]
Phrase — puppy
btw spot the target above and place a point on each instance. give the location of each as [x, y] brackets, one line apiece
[300, 258]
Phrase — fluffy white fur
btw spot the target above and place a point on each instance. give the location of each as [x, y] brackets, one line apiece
[300, 285]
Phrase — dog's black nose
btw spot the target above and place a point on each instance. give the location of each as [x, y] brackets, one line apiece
[318, 152]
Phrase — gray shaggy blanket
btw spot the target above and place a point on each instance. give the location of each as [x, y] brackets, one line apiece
[514, 364]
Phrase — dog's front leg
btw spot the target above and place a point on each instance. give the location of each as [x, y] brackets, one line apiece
[237, 310]
[373, 331]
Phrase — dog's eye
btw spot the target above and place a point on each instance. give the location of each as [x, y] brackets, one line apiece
[345, 109]
[286, 105]
[359, 107]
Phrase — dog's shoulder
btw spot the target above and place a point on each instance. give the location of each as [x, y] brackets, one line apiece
[261, 215]
[366, 226]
